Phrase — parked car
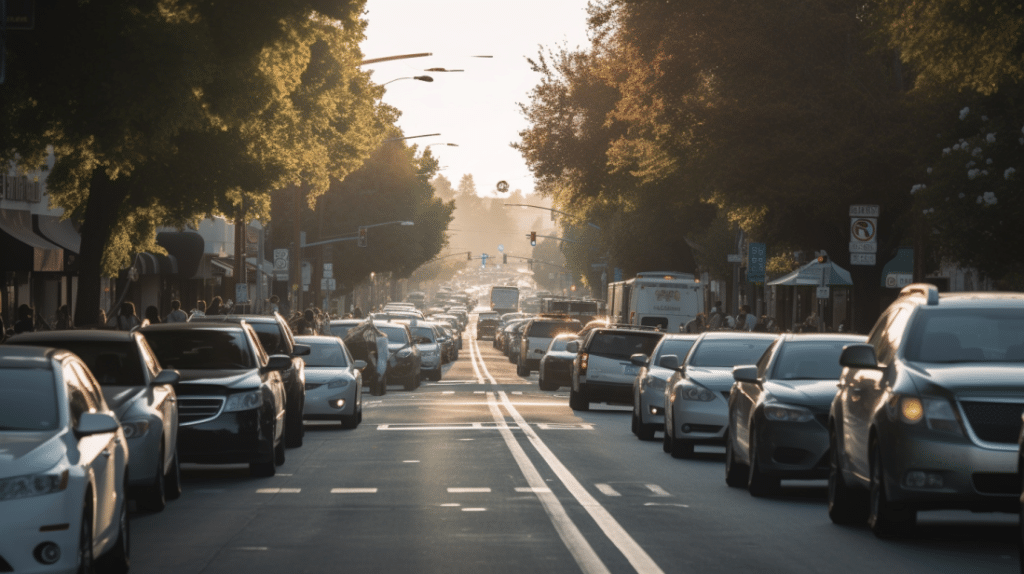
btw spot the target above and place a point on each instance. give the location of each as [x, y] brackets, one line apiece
[535, 338]
[403, 355]
[368, 344]
[928, 411]
[513, 340]
[429, 347]
[334, 385]
[486, 322]
[64, 469]
[697, 396]
[649, 384]
[142, 396]
[778, 412]
[556, 365]
[602, 370]
[231, 396]
[276, 337]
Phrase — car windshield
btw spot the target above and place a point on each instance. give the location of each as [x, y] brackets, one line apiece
[559, 344]
[395, 333]
[487, 317]
[326, 355]
[728, 352]
[201, 349]
[966, 336]
[112, 363]
[547, 330]
[809, 360]
[29, 400]
[269, 335]
[677, 347]
[423, 335]
[623, 345]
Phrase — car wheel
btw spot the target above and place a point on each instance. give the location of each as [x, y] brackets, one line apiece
[521, 370]
[666, 441]
[735, 473]
[578, 400]
[349, 421]
[412, 383]
[173, 479]
[153, 498]
[759, 482]
[680, 448]
[118, 559]
[268, 468]
[85, 557]
[293, 429]
[435, 375]
[846, 505]
[644, 431]
[886, 519]
[632, 422]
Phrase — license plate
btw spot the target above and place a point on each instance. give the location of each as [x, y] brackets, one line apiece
[630, 369]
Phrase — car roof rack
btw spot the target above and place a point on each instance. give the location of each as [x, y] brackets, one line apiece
[927, 290]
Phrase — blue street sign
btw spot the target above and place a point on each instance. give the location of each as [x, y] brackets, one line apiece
[483, 260]
[501, 248]
[757, 258]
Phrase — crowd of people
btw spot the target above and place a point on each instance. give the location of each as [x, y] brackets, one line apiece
[745, 320]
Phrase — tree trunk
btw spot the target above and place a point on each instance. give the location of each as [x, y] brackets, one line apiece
[101, 214]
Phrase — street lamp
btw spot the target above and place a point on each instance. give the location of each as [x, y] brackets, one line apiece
[447, 144]
[338, 239]
[420, 78]
[547, 209]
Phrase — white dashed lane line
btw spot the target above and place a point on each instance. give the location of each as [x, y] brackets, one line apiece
[606, 490]
[353, 491]
[464, 490]
[278, 490]
[657, 490]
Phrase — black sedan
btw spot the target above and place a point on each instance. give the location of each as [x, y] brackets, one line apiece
[778, 412]
[231, 398]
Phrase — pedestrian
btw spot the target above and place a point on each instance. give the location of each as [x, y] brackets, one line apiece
[741, 319]
[357, 312]
[200, 310]
[215, 307]
[762, 325]
[695, 325]
[101, 318]
[153, 314]
[24, 324]
[64, 321]
[274, 308]
[127, 319]
[306, 323]
[176, 315]
[716, 318]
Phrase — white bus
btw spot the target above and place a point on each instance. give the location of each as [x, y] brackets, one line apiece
[665, 299]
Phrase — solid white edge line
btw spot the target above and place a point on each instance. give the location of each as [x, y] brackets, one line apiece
[637, 557]
[588, 560]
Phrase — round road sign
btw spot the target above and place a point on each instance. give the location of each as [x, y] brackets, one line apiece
[503, 186]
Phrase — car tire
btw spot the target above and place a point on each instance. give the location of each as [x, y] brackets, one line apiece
[349, 421]
[521, 370]
[293, 429]
[412, 383]
[85, 557]
[268, 468]
[680, 448]
[666, 442]
[633, 422]
[846, 505]
[736, 474]
[578, 400]
[153, 498]
[759, 483]
[173, 479]
[886, 519]
[644, 431]
[117, 560]
[435, 375]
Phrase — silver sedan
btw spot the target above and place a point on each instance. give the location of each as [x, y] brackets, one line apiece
[334, 385]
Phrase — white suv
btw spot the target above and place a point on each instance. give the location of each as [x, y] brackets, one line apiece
[537, 335]
[602, 371]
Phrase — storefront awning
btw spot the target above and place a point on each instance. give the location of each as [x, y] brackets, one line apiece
[23, 249]
[810, 275]
[155, 264]
[61, 232]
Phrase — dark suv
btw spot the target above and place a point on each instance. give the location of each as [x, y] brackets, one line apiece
[276, 337]
[929, 410]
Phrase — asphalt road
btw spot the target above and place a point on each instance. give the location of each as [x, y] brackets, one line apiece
[483, 472]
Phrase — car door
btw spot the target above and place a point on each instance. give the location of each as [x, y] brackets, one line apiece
[743, 399]
[165, 400]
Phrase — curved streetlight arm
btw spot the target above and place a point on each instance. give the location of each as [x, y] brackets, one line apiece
[420, 78]
[339, 239]
[398, 57]
[548, 209]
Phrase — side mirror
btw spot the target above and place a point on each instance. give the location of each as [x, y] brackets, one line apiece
[300, 350]
[745, 374]
[573, 347]
[859, 357]
[670, 362]
[639, 360]
[96, 423]
[278, 363]
[167, 377]
[359, 365]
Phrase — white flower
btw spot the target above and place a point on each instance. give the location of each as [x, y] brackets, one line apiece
[964, 112]
[990, 198]
[972, 174]
[1009, 173]
[991, 138]
[988, 161]
[929, 171]
[976, 152]
[956, 146]
[1021, 140]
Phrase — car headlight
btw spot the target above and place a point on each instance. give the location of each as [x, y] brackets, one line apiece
[788, 413]
[937, 413]
[337, 384]
[693, 392]
[33, 485]
[656, 383]
[135, 429]
[404, 353]
[244, 401]
[429, 353]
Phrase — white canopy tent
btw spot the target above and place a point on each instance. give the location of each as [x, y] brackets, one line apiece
[811, 274]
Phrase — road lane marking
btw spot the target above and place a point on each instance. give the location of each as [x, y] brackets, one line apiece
[278, 490]
[474, 509]
[353, 491]
[410, 461]
[607, 490]
[451, 504]
[208, 491]
[563, 426]
[447, 392]
[637, 557]
[517, 392]
[464, 490]
[666, 504]
[250, 548]
[657, 490]
[574, 541]
[532, 489]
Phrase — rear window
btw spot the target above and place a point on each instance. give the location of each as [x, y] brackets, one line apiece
[623, 345]
[809, 360]
[29, 400]
[326, 355]
[395, 334]
[201, 349]
[341, 330]
[423, 334]
[548, 330]
[677, 347]
[660, 322]
[113, 364]
[728, 353]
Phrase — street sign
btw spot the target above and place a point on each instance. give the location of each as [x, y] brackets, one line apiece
[898, 280]
[864, 211]
[503, 186]
[823, 292]
[281, 264]
[328, 271]
[501, 248]
[862, 259]
[734, 258]
[858, 247]
[241, 293]
[327, 284]
[757, 259]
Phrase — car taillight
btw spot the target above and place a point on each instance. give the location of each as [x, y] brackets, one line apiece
[583, 362]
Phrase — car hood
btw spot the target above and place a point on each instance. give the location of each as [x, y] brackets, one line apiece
[233, 379]
[714, 378]
[30, 452]
[967, 377]
[320, 375]
[561, 356]
[120, 399]
[805, 393]
[660, 373]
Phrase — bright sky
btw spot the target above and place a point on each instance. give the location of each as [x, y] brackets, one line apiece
[476, 109]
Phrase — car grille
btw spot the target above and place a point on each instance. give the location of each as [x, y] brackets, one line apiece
[994, 421]
[194, 410]
[996, 482]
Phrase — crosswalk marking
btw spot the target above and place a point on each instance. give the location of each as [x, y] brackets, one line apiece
[353, 491]
[657, 490]
[464, 490]
[607, 490]
[278, 490]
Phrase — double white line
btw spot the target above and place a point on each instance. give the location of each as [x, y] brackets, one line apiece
[574, 540]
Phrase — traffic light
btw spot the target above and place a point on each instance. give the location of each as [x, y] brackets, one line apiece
[483, 260]
[533, 238]
[362, 237]
[469, 256]
[504, 258]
